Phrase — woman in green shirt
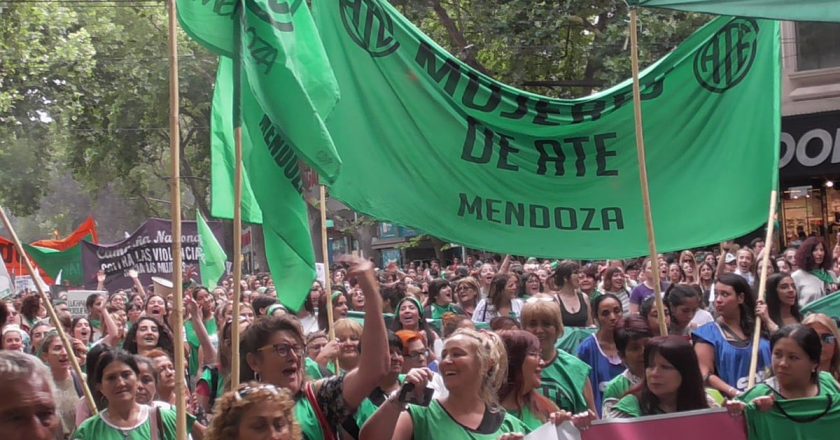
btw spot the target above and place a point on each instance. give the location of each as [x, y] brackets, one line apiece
[795, 353]
[518, 394]
[439, 300]
[125, 419]
[472, 367]
[273, 352]
[672, 381]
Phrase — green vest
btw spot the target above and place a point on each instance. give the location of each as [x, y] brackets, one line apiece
[528, 418]
[368, 407]
[305, 415]
[433, 422]
[95, 428]
[563, 381]
[813, 418]
[828, 386]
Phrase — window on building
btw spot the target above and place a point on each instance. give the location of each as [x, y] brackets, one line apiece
[818, 45]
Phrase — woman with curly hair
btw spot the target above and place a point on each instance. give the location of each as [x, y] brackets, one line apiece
[255, 411]
[813, 277]
[146, 335]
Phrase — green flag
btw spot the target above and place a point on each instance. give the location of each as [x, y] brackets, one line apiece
[430, 143]
[53, 261]
[285, 65]
[212, 259]
[272, 169]
[796, 10]
[828, 305]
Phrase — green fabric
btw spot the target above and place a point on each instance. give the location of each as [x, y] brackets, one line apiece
[564, 380]
[629, 406]
[212, 259]
[799, 10]
[572, 338]
[314, 371]
[275, 178]
[195, 344]
[308, 420]
[433, 422]
[95, 428]
[207, 376]
[428, 142]
[528, 418]
[367, 408]
[68, 262]
[827, 305]
[438, 311]
[806, 419]
[828, 387]
[617, 388]
[285, 64]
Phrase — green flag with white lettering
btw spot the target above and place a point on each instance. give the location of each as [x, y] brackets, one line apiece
[796, 10]
[213, 258]
[272, 169]
[430, 143]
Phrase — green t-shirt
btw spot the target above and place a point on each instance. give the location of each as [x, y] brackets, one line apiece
[437, 311]
[628, 407]
[563, 381]
[813, 418]
[195, 344]
[308, 420]
[528, 418]
[616, 389]
[369, 406]
[207, 376]
[828, 386]
[95, 428]
[433, 422]
[315, 372]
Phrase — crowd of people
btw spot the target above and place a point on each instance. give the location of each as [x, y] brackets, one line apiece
[462, 350]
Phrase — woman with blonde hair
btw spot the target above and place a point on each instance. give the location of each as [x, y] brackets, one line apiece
[467, 292]
[255, 411]
[829, 335]
[473, 365]
[348, 333]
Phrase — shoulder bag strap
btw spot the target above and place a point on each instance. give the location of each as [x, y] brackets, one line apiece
[322, 419]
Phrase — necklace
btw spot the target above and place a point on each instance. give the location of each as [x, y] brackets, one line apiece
[124, 432]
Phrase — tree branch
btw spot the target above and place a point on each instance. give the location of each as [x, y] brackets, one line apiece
[457, 39]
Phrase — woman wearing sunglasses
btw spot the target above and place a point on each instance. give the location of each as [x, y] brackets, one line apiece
[826, 328]
[273, 353]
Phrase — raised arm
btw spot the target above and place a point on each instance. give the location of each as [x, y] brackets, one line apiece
[137, 284]
[208, 352]
[112, 339]
[374, 358]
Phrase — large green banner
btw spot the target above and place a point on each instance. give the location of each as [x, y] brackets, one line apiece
[800, 10]
[430, 143]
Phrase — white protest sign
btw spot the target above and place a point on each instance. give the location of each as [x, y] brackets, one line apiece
[76, 300]
[321, 274]
[24, 282]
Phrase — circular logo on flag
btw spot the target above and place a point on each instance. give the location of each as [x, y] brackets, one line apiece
[279, 13]
[369, 26]
[727, 58]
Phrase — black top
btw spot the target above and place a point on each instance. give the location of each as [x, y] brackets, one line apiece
[575, 319]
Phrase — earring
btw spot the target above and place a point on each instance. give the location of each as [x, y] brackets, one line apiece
[257, 377]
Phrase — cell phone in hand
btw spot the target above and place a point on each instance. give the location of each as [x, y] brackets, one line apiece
[407, 395]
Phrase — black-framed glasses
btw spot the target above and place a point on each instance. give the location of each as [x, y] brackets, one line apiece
[284, 350]
[828, 339]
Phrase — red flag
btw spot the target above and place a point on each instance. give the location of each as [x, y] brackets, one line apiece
[14, 264]
[88, 228]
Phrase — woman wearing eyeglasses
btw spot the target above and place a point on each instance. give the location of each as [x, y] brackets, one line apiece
[255, 412]
[273, 352]
[826, 328]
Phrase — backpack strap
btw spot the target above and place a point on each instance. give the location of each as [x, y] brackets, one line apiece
[77, 384]
[322, 419]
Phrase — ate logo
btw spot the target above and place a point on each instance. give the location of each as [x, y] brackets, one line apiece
[279, 13]
[727, 58]
[369, 26]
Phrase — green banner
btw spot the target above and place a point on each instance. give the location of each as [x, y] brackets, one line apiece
[430, 143]
[797, 10]
[212, 258]
[272, 168]
[828, 305]
[285, 65]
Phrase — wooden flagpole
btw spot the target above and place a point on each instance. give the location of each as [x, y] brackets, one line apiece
[45, 300]
[237, 257]
[640, 150]
[175, 211]
[325, 252]
[762, 288]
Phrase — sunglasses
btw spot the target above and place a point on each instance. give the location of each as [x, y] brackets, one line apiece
[246, 390]
[828, 339]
